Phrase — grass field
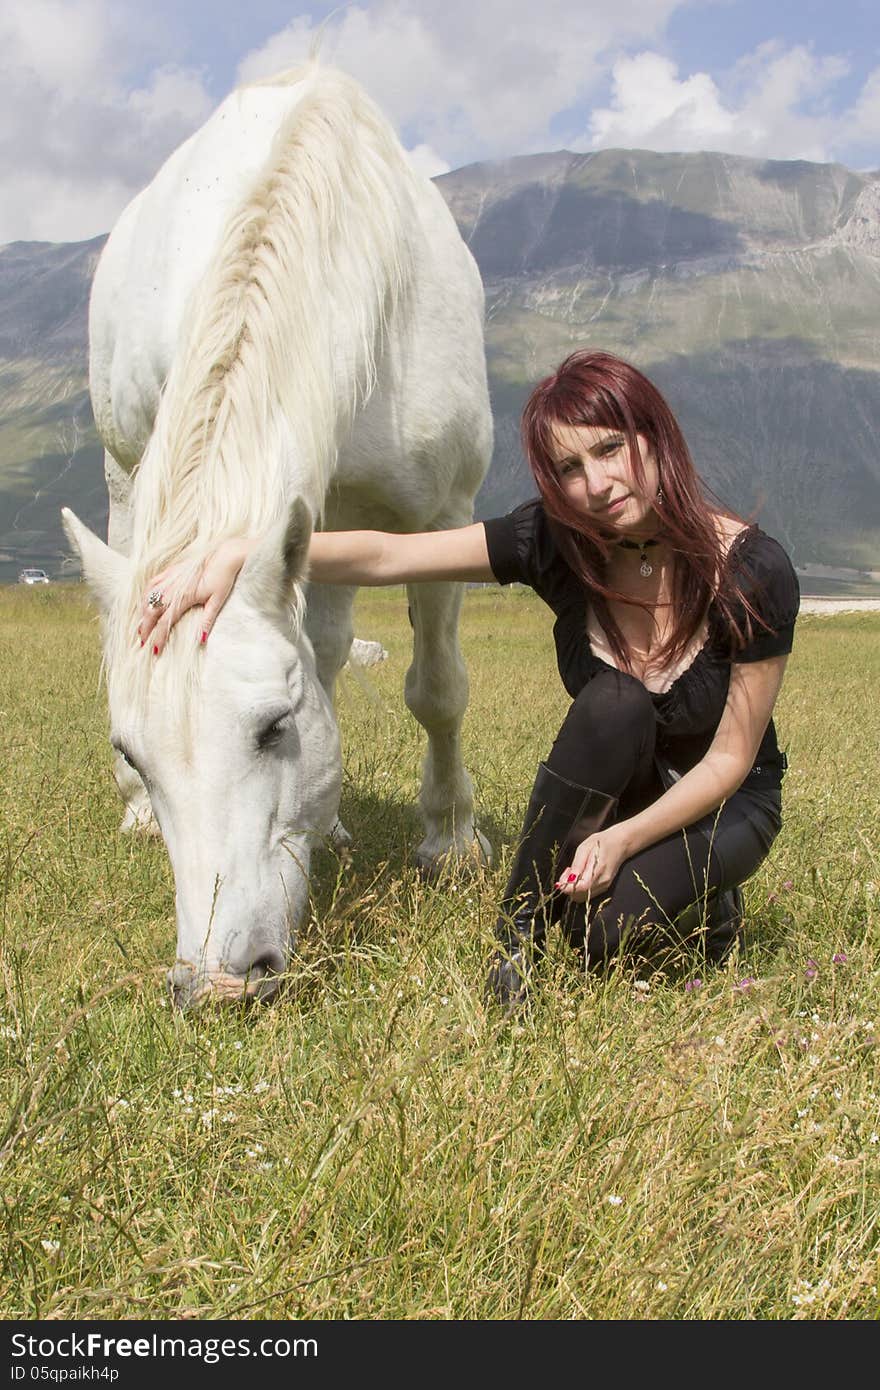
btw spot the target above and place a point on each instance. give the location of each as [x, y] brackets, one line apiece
[686, 1144]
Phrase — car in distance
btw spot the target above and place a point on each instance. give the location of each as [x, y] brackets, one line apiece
[32, 576]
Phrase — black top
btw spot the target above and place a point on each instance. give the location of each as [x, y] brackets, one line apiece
[522, 547]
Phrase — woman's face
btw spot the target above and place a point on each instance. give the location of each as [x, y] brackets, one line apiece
[596, 473]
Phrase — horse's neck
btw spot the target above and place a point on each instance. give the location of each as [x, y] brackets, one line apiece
[283, 334]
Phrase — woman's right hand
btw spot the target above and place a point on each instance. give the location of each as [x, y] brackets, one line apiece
[210, 586]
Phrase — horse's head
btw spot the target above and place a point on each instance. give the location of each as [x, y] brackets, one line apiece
[237, 746]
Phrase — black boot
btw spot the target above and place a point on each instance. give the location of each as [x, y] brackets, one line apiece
[715, 926]
[560, 815]
[724, 924]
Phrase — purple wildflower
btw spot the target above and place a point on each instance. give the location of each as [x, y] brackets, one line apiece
[839, 958]
[811, 970]
[745, 985]
[787, 885]
[693, 984]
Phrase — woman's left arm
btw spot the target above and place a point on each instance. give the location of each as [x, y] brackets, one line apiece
[751, 696]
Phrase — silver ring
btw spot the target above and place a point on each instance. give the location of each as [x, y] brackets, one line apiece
[155, 599]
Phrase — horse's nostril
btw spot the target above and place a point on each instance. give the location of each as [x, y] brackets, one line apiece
[271, 962]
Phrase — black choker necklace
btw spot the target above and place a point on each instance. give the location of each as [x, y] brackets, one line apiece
[646, 569]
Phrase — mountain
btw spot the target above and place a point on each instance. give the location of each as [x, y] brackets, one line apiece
[749, 290]
[49, 451]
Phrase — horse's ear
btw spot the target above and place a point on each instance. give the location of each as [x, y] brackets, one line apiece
[105, 570]
[280, 560]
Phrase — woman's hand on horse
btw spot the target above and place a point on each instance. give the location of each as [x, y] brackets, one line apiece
[182, 588]
[595, 864]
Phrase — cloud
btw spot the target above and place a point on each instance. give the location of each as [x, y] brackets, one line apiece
[79, 139]
[778, 109]
[652, 109]
[90, 105]
[427, 162]
[472, 81]
[862, 121]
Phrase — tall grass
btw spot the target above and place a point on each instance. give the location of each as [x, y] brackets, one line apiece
[683, 1144]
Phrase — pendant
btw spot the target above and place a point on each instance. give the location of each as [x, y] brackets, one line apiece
[645, 570]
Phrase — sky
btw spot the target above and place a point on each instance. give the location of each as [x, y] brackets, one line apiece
[95, 94]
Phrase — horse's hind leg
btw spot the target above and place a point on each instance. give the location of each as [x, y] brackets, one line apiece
[436, 693]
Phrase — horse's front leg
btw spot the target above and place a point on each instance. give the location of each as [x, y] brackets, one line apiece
[330, 631]
[119, 485]
[138, 811]
[436, 694]
[138, 808]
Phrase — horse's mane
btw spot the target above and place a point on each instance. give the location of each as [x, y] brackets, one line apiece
[319, 247]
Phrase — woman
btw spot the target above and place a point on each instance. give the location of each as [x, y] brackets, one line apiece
[674, 619]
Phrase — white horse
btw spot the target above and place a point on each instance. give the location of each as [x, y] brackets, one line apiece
[285, 330]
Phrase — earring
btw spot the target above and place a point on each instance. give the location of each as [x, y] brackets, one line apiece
[659, 497]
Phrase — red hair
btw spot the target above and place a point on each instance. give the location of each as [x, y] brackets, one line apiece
[598, 389]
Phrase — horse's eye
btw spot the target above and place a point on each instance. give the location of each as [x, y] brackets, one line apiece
[273, 733]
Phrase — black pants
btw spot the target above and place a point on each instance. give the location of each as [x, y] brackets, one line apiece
[608, 742]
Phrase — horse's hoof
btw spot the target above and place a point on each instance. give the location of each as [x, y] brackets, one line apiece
[339, 837]
[471, 856]
[133, 823]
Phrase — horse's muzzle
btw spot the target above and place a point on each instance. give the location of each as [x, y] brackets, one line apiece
[192, 988]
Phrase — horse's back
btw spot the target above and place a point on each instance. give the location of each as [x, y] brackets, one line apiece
[422, 445]
[430, 384]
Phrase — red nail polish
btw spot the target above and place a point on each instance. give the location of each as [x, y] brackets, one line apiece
[155, 651]
[572, 878]
[204, 638]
